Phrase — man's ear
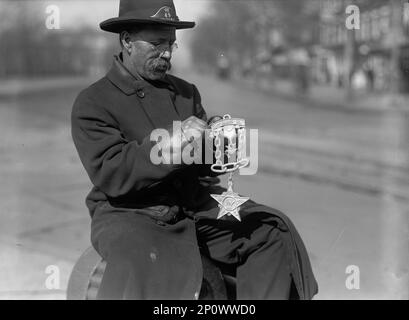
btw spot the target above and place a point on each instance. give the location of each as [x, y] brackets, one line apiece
[126, 41]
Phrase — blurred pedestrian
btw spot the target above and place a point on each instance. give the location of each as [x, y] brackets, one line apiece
[302, 79]
[301, 62]
[370, 76]
[223, 67]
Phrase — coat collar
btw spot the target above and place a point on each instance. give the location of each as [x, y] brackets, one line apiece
[154, 96]
[129, 84]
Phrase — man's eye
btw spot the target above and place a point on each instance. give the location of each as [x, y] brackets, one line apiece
[161, 43]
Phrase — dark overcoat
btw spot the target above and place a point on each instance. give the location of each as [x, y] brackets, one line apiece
[111, 125]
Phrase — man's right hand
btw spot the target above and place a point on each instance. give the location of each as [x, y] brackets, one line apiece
[192, 130]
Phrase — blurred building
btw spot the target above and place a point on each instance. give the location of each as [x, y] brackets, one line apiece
[379, 49]
[56, 53]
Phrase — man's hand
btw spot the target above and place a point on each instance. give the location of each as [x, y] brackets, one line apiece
[192, 129]
[209, 181]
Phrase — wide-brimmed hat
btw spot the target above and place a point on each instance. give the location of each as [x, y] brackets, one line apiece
[142, 12]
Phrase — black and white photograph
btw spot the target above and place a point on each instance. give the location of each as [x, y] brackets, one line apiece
[191, 150]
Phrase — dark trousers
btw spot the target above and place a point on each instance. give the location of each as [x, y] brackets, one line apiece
[254, 249]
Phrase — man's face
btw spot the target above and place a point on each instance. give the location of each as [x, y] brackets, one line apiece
[151, 51]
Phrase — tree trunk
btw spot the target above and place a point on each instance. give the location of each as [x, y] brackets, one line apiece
[349, 52]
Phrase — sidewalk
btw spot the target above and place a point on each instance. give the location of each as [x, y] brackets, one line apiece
[44, 223]
[330, 97]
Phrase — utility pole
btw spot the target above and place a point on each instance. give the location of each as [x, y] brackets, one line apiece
[396, 38]
[349, 56]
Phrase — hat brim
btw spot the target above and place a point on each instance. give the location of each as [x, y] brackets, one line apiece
[117, 25]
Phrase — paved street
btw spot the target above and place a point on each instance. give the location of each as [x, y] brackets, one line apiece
[340, 176]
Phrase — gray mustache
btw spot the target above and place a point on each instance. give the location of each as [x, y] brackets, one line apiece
[160, 64]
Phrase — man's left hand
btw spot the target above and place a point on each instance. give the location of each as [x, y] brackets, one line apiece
[209, 181]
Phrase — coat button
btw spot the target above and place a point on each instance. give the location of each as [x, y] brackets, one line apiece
[196, 295]
[140, 93]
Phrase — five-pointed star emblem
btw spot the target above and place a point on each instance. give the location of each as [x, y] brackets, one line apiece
[229, 203]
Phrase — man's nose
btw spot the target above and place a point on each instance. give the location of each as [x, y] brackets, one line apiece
[166, 54]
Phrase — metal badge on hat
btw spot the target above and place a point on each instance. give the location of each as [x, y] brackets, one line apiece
[233, 131]
[165, 13]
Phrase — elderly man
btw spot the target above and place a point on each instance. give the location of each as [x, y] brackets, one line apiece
[151, 222]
